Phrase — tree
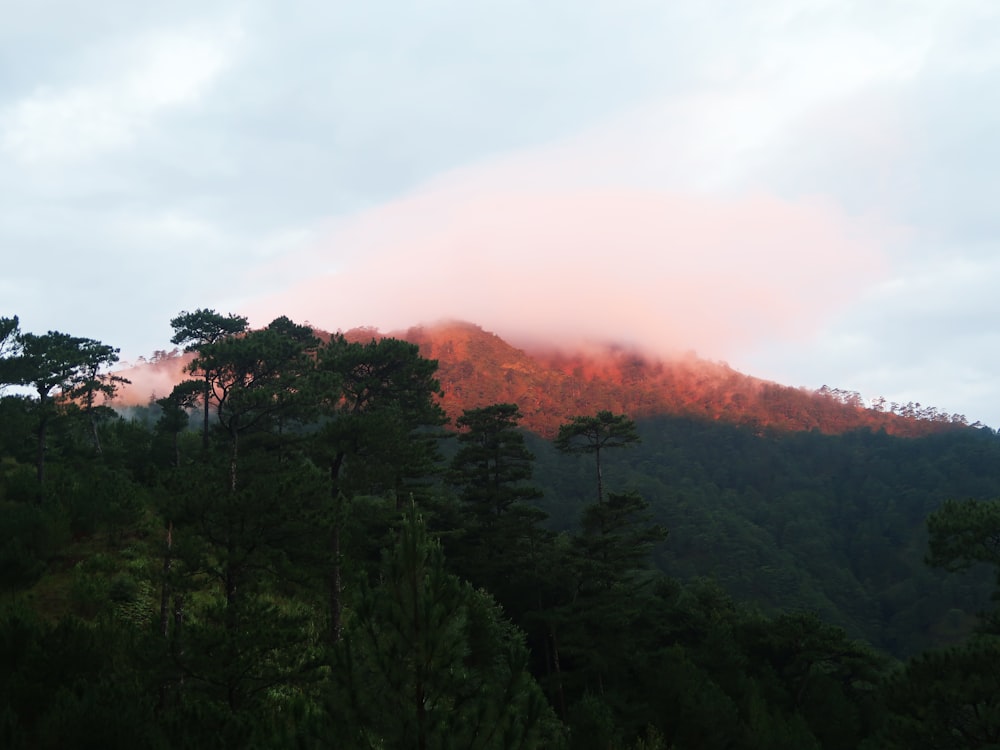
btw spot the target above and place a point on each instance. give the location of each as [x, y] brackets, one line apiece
[381, 397]
[249, 514]
[946, 699]
[174, 418]
[616, 539]
[594, 434]
[825, 677]
[90, 382]
[10, 346]
[427, 661]
[951, 697]
[380, 430]
[491, 470]
[54, 364]
[194, 330]
[173, 421]
[963, 533]
[256, 380]
[493, 462]
[600, 572]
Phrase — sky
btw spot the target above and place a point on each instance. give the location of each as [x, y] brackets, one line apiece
[805, 190]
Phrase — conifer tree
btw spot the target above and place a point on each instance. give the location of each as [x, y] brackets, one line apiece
[492, 470]
[963, 533]
[594, 434]
[57, 365]
[244, 517]
[427, 661]
[194, 330]
[379, 432]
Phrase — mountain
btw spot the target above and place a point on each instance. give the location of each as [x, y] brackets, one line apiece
[477, 368]
[772, 492]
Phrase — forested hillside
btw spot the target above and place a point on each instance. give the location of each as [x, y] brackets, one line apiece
[801, 520]
[295, 547]
[476, 367]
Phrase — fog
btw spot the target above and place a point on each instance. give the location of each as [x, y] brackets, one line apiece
[658, 270]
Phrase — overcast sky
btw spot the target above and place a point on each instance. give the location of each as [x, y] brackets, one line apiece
[806, 190]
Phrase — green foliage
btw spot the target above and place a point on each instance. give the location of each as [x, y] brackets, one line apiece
[256, 378]
[73, 684]
[196, 330]
[948, 698]
[615, 540]
[951, 697]
[427, 661]
[59, 368]
[29, 536]
[594, 434]
[492, 463]
[9, 330]
[193, 598]
[204, 326]
[175, 414]
[804, 521]
[966, 533]
[492, 470]
[963, 533]
[380, 433]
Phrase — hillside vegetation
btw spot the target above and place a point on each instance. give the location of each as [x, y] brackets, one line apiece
[294, 546]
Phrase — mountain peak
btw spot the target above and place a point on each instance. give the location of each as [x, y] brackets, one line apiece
[552, 385]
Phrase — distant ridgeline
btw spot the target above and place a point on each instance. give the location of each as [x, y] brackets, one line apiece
[477, 368]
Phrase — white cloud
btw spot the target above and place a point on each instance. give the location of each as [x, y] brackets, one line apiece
[76, 122]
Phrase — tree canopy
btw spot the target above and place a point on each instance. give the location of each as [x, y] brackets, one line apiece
[322, 563]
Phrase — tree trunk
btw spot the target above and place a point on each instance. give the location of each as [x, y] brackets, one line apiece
[600, 481]
[178, 614]
[168, 563]
[336, 604]
[94, 434]
[232, 461]
[555, 664]
[89, 408]
[204, 429]
[335, 584]
[43, 426]
[178, 624]
[97, 438]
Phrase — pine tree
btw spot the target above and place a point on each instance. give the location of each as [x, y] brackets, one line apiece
[427, 661]
[378, 436]
[595, 434]
[492, 470]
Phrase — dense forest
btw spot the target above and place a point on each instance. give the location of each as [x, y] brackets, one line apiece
[296, 548]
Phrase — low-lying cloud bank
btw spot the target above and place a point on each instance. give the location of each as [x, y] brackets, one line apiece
[654, 269]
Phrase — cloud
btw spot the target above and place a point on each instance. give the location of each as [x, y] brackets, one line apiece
[525, 160]
[658, 269]
[79, 121]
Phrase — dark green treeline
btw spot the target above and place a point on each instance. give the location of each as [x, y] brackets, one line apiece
[292, 549]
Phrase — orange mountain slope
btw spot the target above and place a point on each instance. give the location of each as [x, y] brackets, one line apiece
[477, 368]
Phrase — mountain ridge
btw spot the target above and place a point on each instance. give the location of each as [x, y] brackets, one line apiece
[477, 368]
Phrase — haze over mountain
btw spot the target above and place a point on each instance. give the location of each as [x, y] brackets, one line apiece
[477, 368]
